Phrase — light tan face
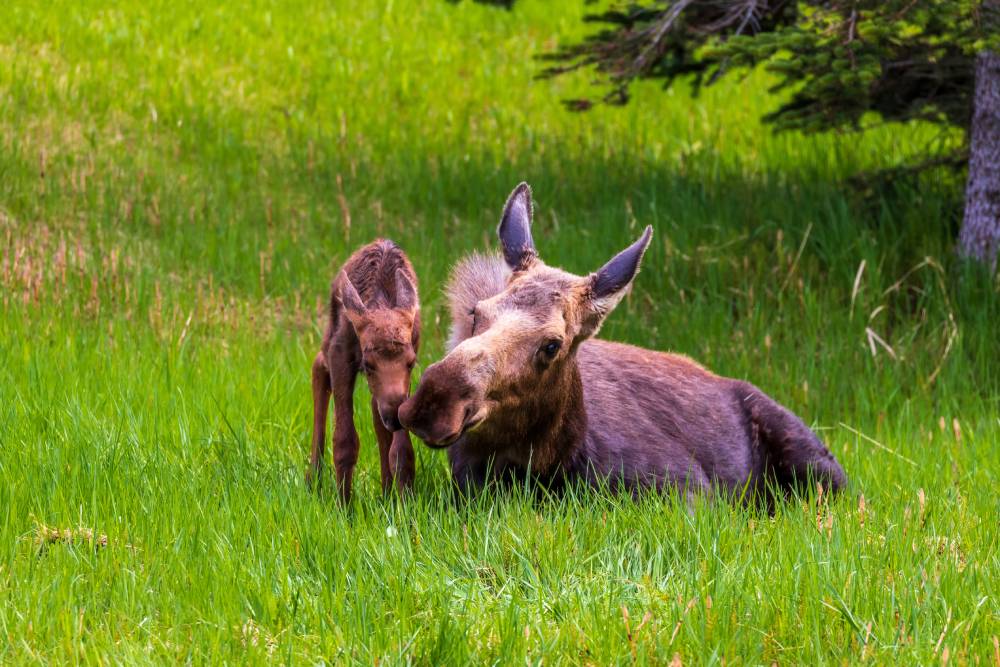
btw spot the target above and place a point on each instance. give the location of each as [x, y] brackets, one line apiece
[386, 337]
[519, 335]
[387, 358]
[520, 343]
[517, 342]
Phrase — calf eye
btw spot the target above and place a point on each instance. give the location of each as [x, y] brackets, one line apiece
[550, 348]
[368, 366]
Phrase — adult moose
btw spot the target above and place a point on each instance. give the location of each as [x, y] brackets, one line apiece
[374, 327]
[523, 389]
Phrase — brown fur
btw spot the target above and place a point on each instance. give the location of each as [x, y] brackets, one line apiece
[374, 327]
[473, 279]
[523, 391]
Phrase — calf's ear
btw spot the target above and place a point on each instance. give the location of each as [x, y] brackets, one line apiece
[406, 292]
[355, 307]
[611, 282]
[515, 229]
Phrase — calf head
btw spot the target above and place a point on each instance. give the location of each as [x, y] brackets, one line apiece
[385, 336]
[518, 354]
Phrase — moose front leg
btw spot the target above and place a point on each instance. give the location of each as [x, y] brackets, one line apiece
[468, 472]
[321, 405]
[345, 436]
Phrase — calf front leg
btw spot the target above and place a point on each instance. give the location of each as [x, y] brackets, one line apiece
[396, 453]
[384, 437]
[345, 436]
[321, 404]
[401, 460]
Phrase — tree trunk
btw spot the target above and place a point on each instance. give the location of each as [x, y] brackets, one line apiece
[980, 235]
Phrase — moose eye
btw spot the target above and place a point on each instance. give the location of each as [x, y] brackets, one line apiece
[368, 366]
[550, 348]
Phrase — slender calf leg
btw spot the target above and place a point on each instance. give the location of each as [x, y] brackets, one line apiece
[384, 437]
[401, 460]
[321, 404]
[396, 453]
[345, 436]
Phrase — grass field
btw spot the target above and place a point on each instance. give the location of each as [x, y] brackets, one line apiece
[178, 185]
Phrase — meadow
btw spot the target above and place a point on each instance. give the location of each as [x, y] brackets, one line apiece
[179, 183]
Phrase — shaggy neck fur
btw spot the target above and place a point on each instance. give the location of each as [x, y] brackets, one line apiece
[540, 430]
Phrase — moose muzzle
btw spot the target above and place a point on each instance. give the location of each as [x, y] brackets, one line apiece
[444, 406]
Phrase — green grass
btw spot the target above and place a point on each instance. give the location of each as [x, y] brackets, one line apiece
[175, 186]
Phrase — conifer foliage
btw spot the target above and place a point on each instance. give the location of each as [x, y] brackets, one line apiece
[901, 59]
[843, 64]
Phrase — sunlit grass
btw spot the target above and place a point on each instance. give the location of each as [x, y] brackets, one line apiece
[177, 188]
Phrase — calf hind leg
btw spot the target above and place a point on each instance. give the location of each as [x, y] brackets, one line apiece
[321, 404]
[345, 436]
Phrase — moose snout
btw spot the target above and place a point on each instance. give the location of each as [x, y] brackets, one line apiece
[438, 411]
[406, 417]
[416, 417]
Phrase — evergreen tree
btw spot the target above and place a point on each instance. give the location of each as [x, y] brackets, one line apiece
[844, 61]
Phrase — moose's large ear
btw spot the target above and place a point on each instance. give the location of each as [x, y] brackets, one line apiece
[515, 229]
[406, 292]
[349, 296]
[611, 282]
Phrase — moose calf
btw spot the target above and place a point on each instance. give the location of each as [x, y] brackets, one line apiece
[374, 326]
[525, 391]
